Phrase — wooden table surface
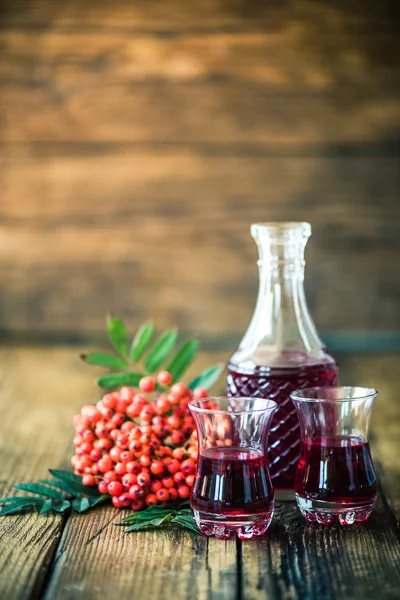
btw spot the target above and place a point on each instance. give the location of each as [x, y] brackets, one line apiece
[87, 556]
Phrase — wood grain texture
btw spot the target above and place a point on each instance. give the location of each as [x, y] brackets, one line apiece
[35, 434]
[96, 560]
[92, 558]
[147, 226]
[300, 560]
[138, 141]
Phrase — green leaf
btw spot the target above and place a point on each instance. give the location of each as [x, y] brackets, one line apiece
[47, 506]
[148, 523]
[41, 490]
[61, 506]
[99, 500]
[20, 500]
[187, 522]
[118, 335]
[182, 359]
[81, 504]
[144, 515]
[104, 360]
[59, 485]
[20, 506]
[116, 379]
[75, 481]
[207, 378]
[160, 350]
[141, 341]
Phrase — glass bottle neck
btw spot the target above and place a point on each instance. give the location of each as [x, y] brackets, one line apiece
[281, 333]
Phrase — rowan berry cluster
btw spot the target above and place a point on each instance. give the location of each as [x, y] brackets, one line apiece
[139, 447]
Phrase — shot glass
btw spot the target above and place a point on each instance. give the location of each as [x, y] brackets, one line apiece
[335, 477]
[232, 492]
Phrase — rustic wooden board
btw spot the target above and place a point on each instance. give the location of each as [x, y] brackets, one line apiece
[281, 86]
[96, 560]
[139, 140]
[36, 408]
[41, 388]
[134, 230]
[300, 560]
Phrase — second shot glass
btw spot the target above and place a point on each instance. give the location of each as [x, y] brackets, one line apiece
[335, 477]
[232, 492]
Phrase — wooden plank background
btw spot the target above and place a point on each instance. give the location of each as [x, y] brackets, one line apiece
[139, 140]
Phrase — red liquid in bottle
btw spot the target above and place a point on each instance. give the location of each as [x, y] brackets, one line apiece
[336, 470]
[232, 482]
[277, 384]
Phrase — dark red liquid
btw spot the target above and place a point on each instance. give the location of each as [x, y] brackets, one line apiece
[336, 470]
[232, 481]
[277, 385]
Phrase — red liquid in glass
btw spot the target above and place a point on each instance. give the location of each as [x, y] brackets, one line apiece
[336, 469]
[232, 482]
[277, 384]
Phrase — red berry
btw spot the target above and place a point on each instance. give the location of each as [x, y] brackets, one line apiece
[179, 390]
[156, 485]
[128, 480]
[147, 413]
[133, 467]
[173, 465]
[179, 477]
[133, 410]
[126, 456]
[126, 394]
[147, 384]
[104, 464]
[95, 455]
[183, 491]
[127, 426]
[115, 453]
[88, 435]
[164, 377]
[145, 438]
[151, 499]
[115, 488]
[91, 412]
[84, 461]
[88, 480]
[145, 461]
[106, 413]
[177, 438]
[110, 476]
[122, 440]
[157, 467]
[188, 466]
[116, 502]
[143, 478]
[117, 419]
[168, 482]
[174, 421]
[120, 468]
[102, 487]
[125, 500]
[199, 393]
[108, 401]
[179, 453]
[173, 494]
[137, 504]
[189, 480]
[135, 446]
[162, 495]
[162, 405]
[136, 492]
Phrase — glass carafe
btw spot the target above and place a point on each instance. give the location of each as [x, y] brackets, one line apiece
[281, 350]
